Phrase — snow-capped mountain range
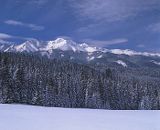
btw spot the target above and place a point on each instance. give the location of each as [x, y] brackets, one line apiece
[70, 50]
[49, 46]
[64, 45]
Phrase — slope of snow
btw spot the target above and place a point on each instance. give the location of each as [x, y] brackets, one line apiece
[121, 63]
[100, 56]
[28, 46]
[10, 48]
[5, 44]
[88, 48]
[67, 44]
[90, 58]
[62, 55]
[19, 117]
[63, 44]
[155, 62]
[1, 47]
[132, 53]
[120, 52]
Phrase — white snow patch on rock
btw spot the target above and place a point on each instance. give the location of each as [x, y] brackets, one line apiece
[100, 56]
[120, 62]
[62, 55]
[132, 53]
[155, 62]
[90, 58]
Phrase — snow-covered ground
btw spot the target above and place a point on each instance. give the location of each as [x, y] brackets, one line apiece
[21, 117]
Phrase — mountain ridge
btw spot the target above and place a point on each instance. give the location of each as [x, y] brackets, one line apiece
[65, 45]
[67, 49]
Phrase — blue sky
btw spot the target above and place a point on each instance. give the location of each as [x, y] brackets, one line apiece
[133, 24]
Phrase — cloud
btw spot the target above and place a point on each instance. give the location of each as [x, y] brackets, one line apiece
[154, 27]
[111, 10]
[38, 2]
[91, 29]
[28, 25]
[104, 43]
[98, 17]
[33, 2]
[4, 36]
[141, 46]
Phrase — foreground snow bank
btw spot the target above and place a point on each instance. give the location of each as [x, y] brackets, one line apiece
[21, 117]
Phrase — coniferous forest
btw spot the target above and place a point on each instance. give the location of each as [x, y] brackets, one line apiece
[37, 80]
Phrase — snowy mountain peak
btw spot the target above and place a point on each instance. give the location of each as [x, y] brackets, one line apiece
[64, 44]
[62, 40]
[28, 46]
[88, 48]
[68, 44]
[84, 45]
